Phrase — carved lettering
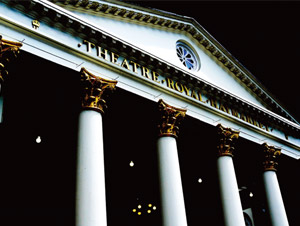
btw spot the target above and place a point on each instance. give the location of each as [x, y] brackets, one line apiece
[89, 46]
[178, 87]
[135, 66]
[146, 72]
[170, 83]
[125, 64]
[249, 119]
[200, 97]
[213, 103]
[234, 113]
[102, 53]
[194, 95]
[223, 108]
[114, 58]
[155, 77]
[243, 117]
[187, 90]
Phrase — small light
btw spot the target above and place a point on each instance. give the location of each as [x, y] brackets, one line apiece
[139, 213]
[150, 205]
[131, 164]
[149, 211]
[38, 140]
[134, 210]
[199, 180]
[139, 206]
[251, 194]
[154, 208]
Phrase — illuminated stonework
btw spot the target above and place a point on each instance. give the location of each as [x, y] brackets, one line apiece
[227, 138]
[8, 51]
[94, 89]
[170, 119]
[271, 155]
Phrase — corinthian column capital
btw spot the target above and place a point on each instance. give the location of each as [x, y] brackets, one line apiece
[8, 51]
[227, 138]
[94, 90]
[170, 119]
[271, 154]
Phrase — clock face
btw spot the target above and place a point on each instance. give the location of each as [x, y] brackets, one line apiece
[187, 56]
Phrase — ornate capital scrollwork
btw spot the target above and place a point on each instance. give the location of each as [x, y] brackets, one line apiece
[8, 51]
[227, 138]
[94, 89]
[271, 155]
[170, 119]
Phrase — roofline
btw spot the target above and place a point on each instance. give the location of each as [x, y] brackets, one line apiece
[52, 13]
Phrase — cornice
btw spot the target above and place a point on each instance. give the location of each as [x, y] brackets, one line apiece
[182, 23]
[68, 22]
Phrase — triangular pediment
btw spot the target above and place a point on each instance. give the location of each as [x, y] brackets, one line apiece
[159, 33]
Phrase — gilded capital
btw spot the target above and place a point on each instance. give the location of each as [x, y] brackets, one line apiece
[170, 119]
[8, 51]
[271, 155]
[95, 90]
[227, 138]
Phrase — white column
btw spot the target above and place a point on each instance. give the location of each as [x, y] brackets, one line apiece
[231, 202]
[90, 194]
[275, 204]
[90, 189]
[274, 200]
[172, 200]
[229, 192]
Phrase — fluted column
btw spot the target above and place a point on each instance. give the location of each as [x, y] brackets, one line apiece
[8, 51]
[231, 202]
[90, 190]
[273, 195]
[172, 201]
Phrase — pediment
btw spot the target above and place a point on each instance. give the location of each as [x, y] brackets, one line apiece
[159, 33]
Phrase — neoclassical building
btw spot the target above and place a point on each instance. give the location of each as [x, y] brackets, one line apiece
[114, 114]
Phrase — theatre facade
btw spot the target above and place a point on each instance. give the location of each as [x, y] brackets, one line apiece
[114, 114]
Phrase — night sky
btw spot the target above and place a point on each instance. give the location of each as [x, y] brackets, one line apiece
[263, 35]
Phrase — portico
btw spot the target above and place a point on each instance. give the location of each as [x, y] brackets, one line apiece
[162, 152]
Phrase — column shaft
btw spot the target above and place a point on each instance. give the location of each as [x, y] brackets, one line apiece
[230, 197]
[273, 195]
[172, 200]
[90, 194]
[274, 199]
[231, 202]
[90, 190]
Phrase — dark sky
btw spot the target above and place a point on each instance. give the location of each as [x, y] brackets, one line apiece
[263, 35]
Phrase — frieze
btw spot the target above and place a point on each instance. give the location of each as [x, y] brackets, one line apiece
[168, 83]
